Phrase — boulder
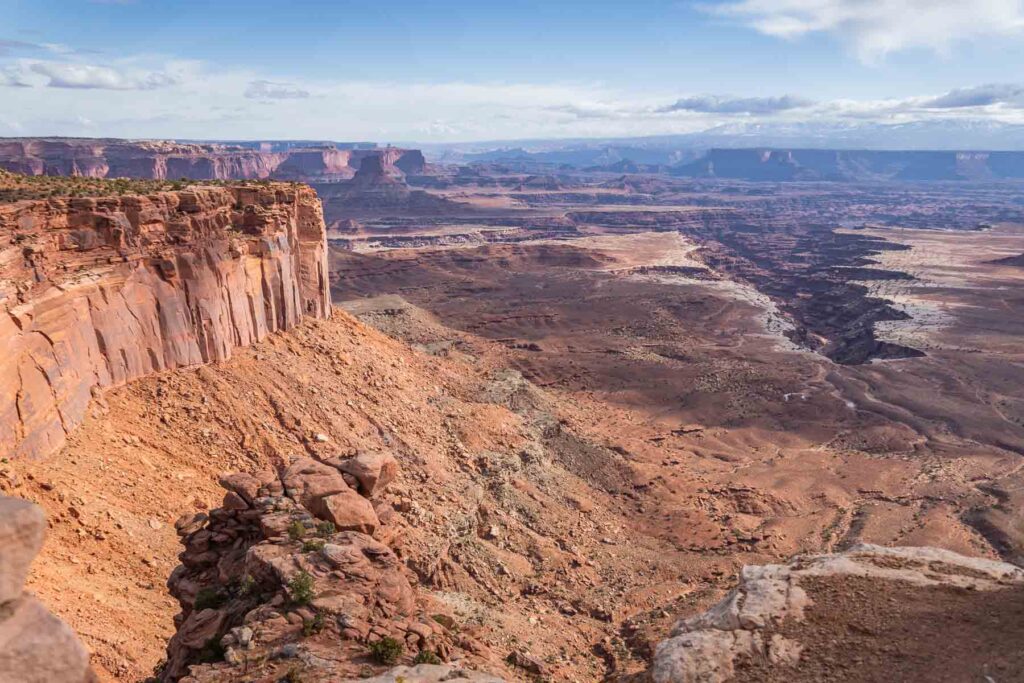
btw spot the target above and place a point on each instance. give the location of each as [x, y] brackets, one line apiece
[22, 527]
[307, 481]
[245, 485]
[374, 470]
[348, 511]
[37, 647]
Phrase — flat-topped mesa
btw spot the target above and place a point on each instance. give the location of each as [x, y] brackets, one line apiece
[98, 291]
[162, 160]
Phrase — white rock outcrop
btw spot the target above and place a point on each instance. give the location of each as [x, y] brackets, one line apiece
[705, 648]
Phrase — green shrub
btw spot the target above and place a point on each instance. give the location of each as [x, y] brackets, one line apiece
[246, 584]
[209, 598]
[386, 651]
[314, 625]
[212, 651]
[300, 588]
[312, 545]
[296, 530]
[324, 529]
[426, 657]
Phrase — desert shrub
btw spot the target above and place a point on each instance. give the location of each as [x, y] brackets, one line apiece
[296, 530]
[300, 588]
[209, 598]
[426, 657]
[314, 625]
[246, 584]
[324, 529]
[312, 545]
[212, 651]
[386, 651]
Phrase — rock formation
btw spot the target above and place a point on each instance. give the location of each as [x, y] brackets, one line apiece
[98, 291]
[35, 646]
[155, 159]
[765, 629]
[292, 576]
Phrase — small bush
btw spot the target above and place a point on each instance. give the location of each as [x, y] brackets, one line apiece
[314, 625]
[426, 657]
[209, 598]
[212, 651]
[296, 530]
[301, 588]
[312, 545]
[386, 651]
[324, 529]
[246, 584]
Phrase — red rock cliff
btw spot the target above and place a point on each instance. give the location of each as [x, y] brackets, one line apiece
[98, 291]
[160, 160]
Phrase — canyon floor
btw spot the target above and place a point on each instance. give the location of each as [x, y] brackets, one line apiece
[607, 396]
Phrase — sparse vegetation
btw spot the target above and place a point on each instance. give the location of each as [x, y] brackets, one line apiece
[426, 657]
[209, 598]
[313, 545]
[246, 585]
[296, 530]
[386, 651]
[15, 187]
[324, 529]
[301, 588]
[314, 625]
[212, 651]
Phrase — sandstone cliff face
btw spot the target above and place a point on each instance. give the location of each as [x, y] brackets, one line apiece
[98, 291]
[169, 160]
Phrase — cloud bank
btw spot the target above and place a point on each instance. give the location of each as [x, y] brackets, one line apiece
[877, 28]
[269, 90]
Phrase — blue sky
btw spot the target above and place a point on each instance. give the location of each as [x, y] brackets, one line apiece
[432, 71]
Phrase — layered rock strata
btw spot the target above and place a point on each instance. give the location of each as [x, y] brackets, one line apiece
[754, 632]
[293, 577]
[160, 160]
[35, 646]
[98, 291]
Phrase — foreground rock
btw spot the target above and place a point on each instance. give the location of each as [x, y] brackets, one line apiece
[35, 646]
[287, 580]
[871, 613]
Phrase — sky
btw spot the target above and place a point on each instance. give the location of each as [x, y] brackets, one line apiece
[499, 69]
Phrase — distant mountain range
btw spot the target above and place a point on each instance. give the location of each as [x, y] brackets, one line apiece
[953, 146]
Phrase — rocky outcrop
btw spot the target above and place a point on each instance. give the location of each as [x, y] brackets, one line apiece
[161, 160]
[98, 291]
[272, 584]
[752, 633]
[35, 646]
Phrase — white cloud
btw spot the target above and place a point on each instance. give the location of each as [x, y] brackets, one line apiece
[717, 104]
[876, 28]
[12, 77]
[93, 77]
[1007, 94]
[269, 90]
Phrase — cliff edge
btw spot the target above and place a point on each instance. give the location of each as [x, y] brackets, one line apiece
[97, 291]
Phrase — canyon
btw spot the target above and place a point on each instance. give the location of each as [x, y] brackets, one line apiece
[505, 425]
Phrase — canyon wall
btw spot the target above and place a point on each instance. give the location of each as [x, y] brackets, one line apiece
[99, 291]
[160, 160]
